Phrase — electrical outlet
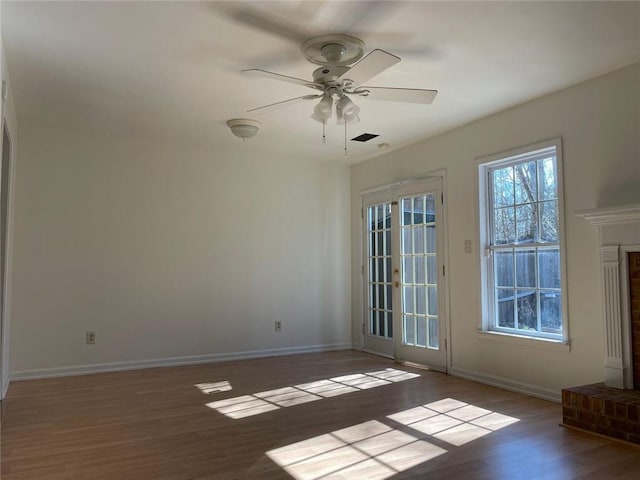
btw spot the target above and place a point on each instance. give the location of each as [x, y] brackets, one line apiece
[278, 326]
[91, 338]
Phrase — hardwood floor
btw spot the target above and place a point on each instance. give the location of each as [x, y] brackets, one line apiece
[329, 415]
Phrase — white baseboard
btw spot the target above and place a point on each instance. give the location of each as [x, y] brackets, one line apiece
[508, 384]
[171, 362]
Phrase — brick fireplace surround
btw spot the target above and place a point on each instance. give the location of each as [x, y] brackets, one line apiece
[612, 408]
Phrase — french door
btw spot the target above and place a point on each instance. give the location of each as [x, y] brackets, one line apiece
[403, 273]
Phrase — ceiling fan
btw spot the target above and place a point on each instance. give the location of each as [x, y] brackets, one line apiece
[335, 80]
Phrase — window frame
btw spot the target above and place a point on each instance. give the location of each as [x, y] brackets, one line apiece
[485, 165]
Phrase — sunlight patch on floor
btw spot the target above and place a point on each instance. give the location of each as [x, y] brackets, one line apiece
[452, 421]
[369, 450]
[208, 388]
[261, 402]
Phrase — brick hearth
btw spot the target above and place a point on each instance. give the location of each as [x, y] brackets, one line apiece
[604, 410]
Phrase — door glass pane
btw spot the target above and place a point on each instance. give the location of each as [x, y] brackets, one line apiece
[419, 270]
[433, 333]
[421, 331]
[409, 336]
[379, 269]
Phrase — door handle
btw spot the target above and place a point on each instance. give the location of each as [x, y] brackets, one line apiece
[396, 283]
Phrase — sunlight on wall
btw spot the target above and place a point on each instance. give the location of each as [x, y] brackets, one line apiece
[369, 450]
[208, 388]
[377, 450]
[249, 405]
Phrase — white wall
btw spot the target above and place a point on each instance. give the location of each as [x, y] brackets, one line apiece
[599, 125]
[8, 115]
[172, 253]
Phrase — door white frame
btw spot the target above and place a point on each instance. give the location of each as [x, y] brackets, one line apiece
[446, 324]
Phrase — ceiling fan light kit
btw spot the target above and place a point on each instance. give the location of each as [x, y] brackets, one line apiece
[243, 127]
[336, 80]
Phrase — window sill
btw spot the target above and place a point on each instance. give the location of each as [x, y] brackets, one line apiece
[520, 340]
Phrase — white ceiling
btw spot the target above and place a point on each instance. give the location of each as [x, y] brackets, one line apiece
[172, 69]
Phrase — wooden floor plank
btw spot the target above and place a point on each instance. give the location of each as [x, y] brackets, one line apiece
[158, 424]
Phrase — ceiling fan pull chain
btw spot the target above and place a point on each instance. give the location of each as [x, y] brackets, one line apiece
[345, 139]
[324, 134]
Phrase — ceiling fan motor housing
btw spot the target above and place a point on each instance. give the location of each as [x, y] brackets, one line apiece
[329, 75]
[335, 49]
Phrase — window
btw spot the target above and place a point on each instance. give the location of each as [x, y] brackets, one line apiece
[522, 239]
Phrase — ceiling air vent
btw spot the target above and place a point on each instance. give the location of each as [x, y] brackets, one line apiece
[365, 137]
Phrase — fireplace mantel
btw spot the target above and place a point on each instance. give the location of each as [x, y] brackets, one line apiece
[619, 230]
[611, 215]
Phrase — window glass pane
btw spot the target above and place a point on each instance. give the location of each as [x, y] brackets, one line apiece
[549, 221]
[504, 226]
[409, 330]
[389, 297]
[373, 301]
[421, 326]
[433, 333]
[526, 268]
[418, 239]
[502, 186]
[421, 300]
[548, 184]
[527, 223]
[526, 182]
[432, 300]
[527, 310]
[504, 269]
[407, 270]
[551, 312]
[549, 268]
[505, 308]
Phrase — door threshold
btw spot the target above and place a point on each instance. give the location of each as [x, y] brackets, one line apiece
[422, 367]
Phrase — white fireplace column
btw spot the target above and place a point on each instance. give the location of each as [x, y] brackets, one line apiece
[619, 231]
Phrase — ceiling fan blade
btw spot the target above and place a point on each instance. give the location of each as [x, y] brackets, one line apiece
[375, 62]
[283, 78]
[410, 95]
[284, 103]
[265, 19]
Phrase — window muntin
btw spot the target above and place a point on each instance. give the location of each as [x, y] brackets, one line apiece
[523, 271]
